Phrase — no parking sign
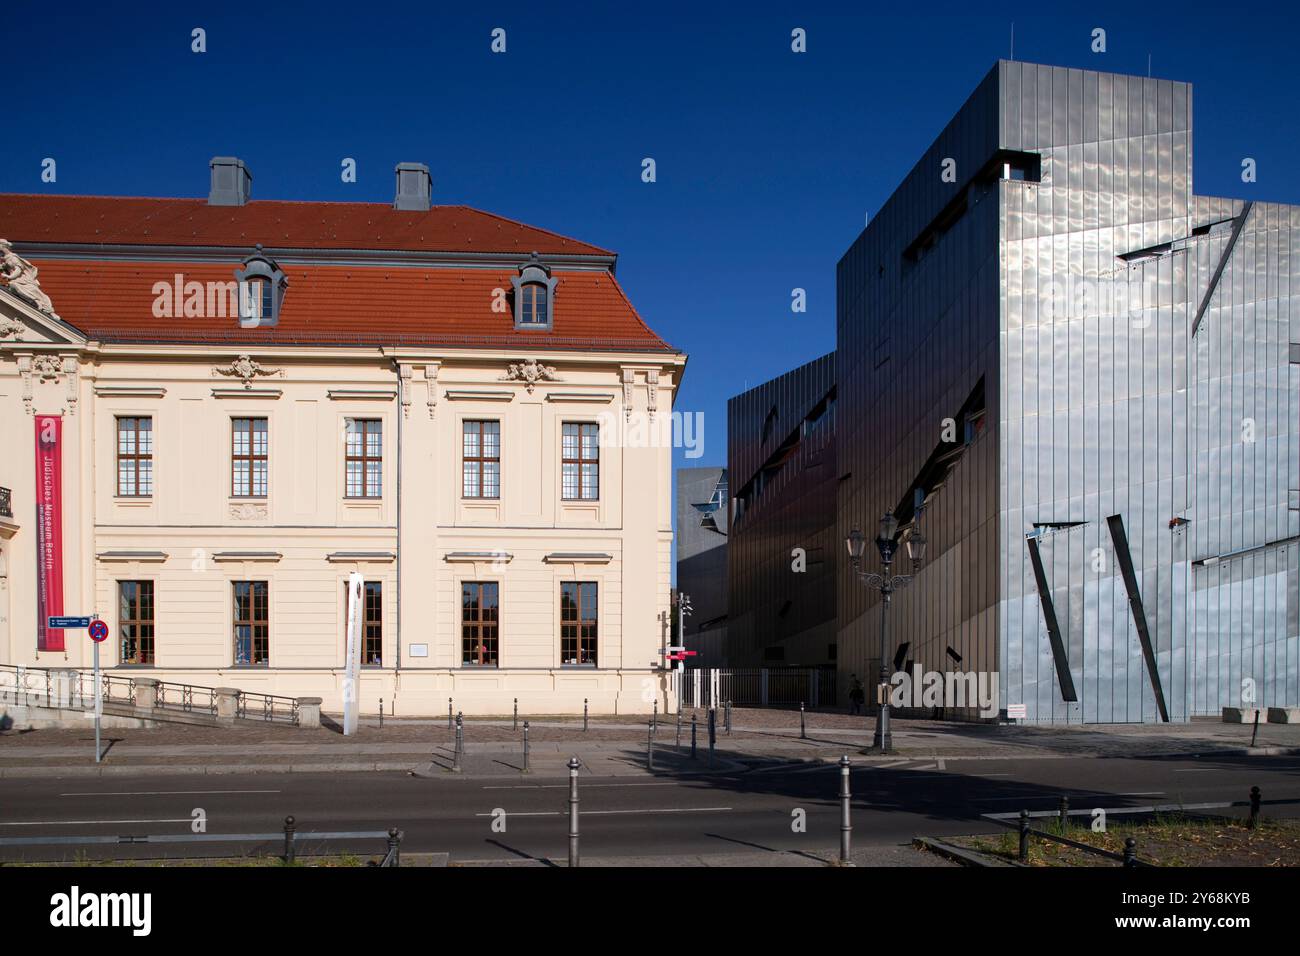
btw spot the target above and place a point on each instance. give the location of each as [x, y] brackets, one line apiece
[98, 631]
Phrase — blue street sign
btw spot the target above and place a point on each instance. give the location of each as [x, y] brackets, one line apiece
[60, 623]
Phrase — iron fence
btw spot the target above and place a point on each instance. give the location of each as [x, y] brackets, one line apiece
[266, 707]
[758, 687]
[186, 698]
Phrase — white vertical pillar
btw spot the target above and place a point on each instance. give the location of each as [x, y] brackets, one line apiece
[351, 675]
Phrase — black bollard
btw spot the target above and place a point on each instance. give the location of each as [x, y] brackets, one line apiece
[654, 717]
[516, 725]
[803, 724]
[679, 728]
[1024, 835]
[526, 770]
[584, 715]
[1063, 812]
[289, 841]
[394, 846]
[381, 712]
[1130, 852]
[727, 716]
[448, 713]
[650, 746]
[1254, 808]
[713, 732]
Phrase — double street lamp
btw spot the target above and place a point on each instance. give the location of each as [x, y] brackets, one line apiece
[886, 584]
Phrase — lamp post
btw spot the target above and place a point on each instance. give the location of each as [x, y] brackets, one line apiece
[886, 584]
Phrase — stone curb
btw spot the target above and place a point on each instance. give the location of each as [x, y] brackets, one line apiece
[958, 854]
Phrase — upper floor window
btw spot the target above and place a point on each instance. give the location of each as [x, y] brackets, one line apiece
[364, 458]
[580, 476]
[482, 459]
[135, 457]
[535, 311]
[248, 458]
[534, 295]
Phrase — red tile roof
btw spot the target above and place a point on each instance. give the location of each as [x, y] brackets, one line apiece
[118, 220]
[111, 298]
[113, 301]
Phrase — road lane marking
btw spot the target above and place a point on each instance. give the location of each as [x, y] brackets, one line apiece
[72, 823]
[599, 813]
[565, 786]
[156, 793]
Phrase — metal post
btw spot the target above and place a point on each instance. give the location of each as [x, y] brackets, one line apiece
[727, 716]
[516, 726]
[573, 811]
[693, 728]
[713, 732]
[679, 728]
[584, 715]
[394, 842]
[99, 703]
[448, 713]
[803, 724]
[650, 746]
[289, 841]
[1063, 812]
[846, 814]
[883, 739]
[1130, 852]
[1253, 734]
[1024, 835]
[381, 712]
[654, 717]
[526, 769]
[459, 746]
[1254, 808]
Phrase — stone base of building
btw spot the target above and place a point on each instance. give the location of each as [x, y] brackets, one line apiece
[425, 692]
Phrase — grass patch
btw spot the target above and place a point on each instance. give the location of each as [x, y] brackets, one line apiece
[1167, 839]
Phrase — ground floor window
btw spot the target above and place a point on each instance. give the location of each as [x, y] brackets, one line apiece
[479, 613]
[578, 622]
[135, 621]
[252, 625]
[371, 621]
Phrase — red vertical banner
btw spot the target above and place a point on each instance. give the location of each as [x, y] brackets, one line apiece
[49, 530]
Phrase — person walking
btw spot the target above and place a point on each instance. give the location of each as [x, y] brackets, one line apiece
[857, 693]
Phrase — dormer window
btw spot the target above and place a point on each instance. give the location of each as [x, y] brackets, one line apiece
[262, 285]
[534, 295]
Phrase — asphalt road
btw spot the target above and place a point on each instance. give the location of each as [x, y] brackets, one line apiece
[623, 816]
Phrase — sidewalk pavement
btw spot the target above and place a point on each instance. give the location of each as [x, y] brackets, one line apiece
[863, 856]
[612, 746]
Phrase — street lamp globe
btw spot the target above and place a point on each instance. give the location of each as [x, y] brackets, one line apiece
[916, 548]
[856, 542]
[888, 525]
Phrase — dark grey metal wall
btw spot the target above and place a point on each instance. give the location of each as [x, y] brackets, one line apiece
[782, 436]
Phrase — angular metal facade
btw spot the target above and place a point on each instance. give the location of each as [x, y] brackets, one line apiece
[782, 551]
[1117, 353]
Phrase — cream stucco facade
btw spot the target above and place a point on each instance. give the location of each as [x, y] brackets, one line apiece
[420, 538]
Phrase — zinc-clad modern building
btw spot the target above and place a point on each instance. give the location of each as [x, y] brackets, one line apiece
[782, 553]
[1087, 373]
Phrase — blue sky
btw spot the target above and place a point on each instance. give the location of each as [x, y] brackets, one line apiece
[767, 161]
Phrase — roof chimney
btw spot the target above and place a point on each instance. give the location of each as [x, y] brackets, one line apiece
[414, 186]
[232, 183]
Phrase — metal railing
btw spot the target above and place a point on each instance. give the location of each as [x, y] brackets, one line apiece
[186, 698]
[55, 688]
[266, 707]
[290, 836]
[759, 686]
